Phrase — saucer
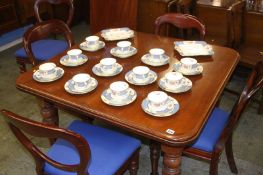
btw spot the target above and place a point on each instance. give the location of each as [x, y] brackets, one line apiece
[97, 70]
[39, 78]
[151, 78]
[185, 85]
[147, 59]
[118, 53]
[69, 87]
[196, 71]
[163, 113]
[84, 46]
[107, 98]
[66, 61]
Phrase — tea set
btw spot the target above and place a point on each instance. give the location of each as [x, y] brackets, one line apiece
[159, 104]
[107, 67]
[123, 50]
[119, 93]
[48, 72]
[155, 57]
[73, 58]
[188, 66]
[80, 84]
[92, 44]
[141, 75]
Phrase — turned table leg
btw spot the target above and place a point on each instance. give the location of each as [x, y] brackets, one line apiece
[171, 160]
[155, 149]
[50, 115]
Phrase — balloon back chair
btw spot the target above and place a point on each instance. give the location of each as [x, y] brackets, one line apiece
[41, 49]
[68, 3]
[81, 149]
[37, 46]
[180, 21]
[217, 133]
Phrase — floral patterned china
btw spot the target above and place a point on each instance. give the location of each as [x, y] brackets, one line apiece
[118, 94]
[159, 104]
[193, 48]
[141, 75]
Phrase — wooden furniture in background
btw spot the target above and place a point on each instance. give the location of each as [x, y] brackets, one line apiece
[112, 14]
[251, 50]
[37, 48]
[217, 16]
[8, 19]
[181, 21]
[195, 105]
[222, 124]
[79, 144]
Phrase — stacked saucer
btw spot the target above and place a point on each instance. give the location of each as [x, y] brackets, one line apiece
[175, 82]
[80, 84]
[118, 94]
[48, 72]
[155, 57]
[74, 57]
[141, 75]
[107, 67]
[92, 44]
[159, 104]
[188, 66]
[123, 50]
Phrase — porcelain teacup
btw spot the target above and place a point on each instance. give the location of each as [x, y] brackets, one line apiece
[140, 73]
[92, 41]
[81, 81]
[188, 63]
[158, 101]
[74, 54]
[156, 54]
[173, 79]
[47, 70]
[119, 90]
[124, 46]
[108, 65]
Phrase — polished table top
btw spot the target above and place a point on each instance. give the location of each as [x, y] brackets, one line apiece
[195, 105]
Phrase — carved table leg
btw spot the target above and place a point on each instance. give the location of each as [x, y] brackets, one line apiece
[171, 160]
[50, 115]
[155, 155]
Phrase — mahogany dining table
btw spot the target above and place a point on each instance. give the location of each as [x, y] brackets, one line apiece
[173, 132]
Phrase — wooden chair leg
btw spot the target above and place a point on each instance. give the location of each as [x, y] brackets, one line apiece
[230, 156]
[214, 165]
[22, 65]
[260, 108]
[134, 165]
[155, 149]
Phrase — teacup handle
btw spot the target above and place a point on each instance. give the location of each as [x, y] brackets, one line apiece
[131, 92]
[170, 105]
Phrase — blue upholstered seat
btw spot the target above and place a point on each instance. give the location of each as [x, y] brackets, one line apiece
[109, 150]
[44, 49]
[212, 130]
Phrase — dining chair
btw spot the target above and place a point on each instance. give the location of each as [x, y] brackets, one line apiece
[37, 46]
[68, 3]
[81, 149]
[217, 133]
[181, 21]
[40, 50]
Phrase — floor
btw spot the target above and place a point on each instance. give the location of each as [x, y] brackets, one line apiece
[247, 141]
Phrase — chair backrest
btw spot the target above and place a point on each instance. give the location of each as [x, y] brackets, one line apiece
[236, 14]
[181, 21]
[69, 3]
[253, 85]
[43, 30]
[20, 125]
